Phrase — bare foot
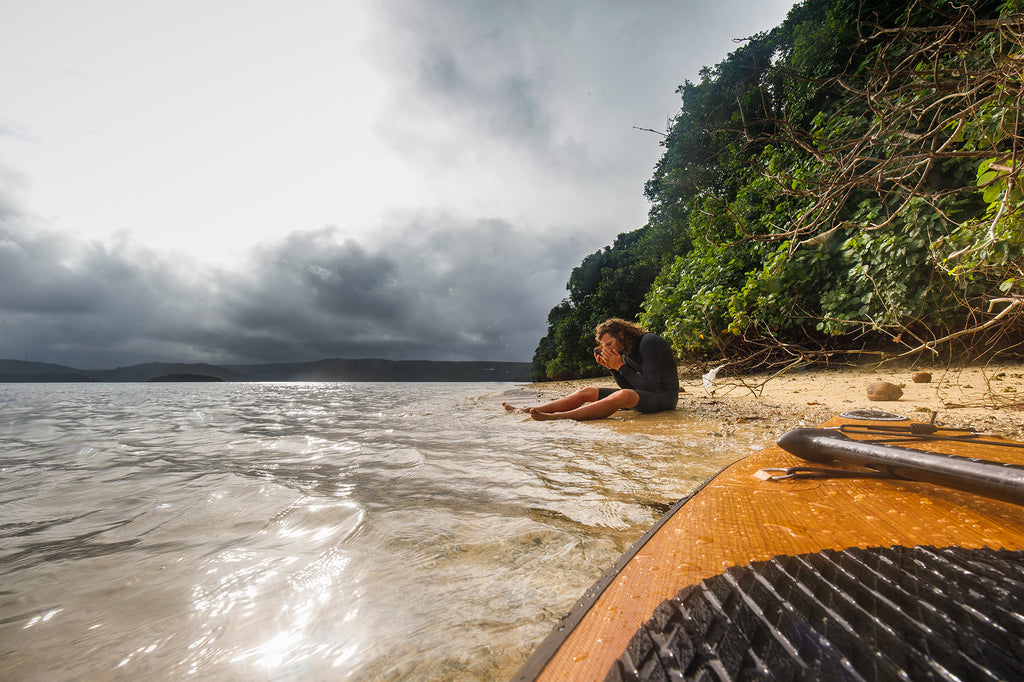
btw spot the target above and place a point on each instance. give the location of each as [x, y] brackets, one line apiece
[513, 408]
[543, 416]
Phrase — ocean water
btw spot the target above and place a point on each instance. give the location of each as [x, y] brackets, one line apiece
[312, 531]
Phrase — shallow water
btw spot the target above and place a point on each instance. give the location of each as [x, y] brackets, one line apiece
[311, 531]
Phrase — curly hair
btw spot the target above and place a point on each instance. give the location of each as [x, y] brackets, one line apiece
[628, 333]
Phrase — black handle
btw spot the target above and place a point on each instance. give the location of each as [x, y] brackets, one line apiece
[982, 477]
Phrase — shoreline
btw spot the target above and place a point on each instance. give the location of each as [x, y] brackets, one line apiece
[987, 398]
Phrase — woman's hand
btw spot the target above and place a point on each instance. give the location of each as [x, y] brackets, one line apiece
[606, 357]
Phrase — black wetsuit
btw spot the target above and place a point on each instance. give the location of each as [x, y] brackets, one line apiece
[650, 370]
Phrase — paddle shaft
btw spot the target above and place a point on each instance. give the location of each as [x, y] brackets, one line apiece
[981, 477]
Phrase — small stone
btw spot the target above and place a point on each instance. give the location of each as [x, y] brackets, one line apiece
[921, 377]
[883, 390]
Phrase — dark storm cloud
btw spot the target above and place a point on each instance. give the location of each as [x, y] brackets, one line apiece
[63, 299]
[436, 287]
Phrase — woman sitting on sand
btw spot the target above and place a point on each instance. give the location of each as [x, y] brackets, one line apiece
[643, 366]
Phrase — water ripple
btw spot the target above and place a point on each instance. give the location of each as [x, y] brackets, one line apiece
[302, 531]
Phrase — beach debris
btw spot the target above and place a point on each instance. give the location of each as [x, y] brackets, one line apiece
[921, 377]
[883, 390]
[709, 378]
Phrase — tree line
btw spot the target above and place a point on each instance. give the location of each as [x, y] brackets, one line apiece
[844, 184]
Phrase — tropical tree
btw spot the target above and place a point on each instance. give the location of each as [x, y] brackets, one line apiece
[844, 183]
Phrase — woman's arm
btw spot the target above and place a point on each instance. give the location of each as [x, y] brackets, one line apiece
[649, 376]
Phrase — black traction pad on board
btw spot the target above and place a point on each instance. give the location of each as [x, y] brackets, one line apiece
[918, 613]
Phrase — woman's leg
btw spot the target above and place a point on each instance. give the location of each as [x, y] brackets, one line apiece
[621, 399]
[570, 402]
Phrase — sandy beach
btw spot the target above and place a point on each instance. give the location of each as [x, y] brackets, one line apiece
[987, 398]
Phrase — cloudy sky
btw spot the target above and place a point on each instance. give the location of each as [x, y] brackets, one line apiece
[238, 181]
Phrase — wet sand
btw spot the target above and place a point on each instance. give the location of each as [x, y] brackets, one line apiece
[988, 399]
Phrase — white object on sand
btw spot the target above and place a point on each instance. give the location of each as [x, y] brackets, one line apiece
[709, 378]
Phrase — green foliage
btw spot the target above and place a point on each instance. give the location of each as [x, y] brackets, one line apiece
[847, 178]
[988, 251]
[608, 283]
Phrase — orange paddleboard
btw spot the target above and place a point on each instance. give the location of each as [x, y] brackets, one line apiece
[820, 565]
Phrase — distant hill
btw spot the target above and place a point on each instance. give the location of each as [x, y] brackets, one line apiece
[372, 369]
[337, 369]
[18, 371]
[152, 370]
